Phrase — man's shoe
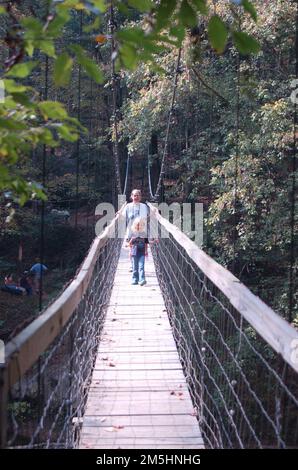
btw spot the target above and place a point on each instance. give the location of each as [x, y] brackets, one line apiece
[142, 283]
[134, 283]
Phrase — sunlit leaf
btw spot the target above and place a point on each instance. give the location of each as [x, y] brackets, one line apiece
[12, 87]
[52, 110]
[100, 5]
[47, 47]
[65, 132]
[21, 70]
[34, 27]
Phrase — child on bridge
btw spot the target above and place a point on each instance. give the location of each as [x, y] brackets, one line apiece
[138, 243]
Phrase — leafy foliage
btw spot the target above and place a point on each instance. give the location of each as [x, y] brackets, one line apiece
[31, 33]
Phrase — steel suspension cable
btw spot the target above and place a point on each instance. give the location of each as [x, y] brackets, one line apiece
[236, 161]
[126, 174]
[293, 190]
[149, 173]
[79, 117]
[114, 98]
[42, 221]
[165, 150]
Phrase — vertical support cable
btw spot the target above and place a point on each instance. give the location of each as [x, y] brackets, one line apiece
[236, 163]
[114, 97]
[293, 191]
[208, 165]
[88, 164]
[44, 156]
[78, 146]
[165, 150]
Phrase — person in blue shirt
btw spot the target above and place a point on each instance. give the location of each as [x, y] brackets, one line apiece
[37, 271]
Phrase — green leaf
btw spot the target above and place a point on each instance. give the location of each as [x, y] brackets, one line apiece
[249, 7]
[12, 87]
[201, 6]
[124, 9]
[166, 39]
[91, 27]
[21, 70]
[22, 99]
[67, 133]
[245, 43]
[46, 137]
[128, 55]
[62, 70]
[135, 35]
[141, 5]
[11, 125]
[218, 33]
[100, 5]
[52, 110]
[48, 47]
[2, 10]
[89, 65]
[33, 26]
[164, 12]
[29, 47]
[77, 123]
[187, 14]
[68, 4]
[178, 32]
[55, 26]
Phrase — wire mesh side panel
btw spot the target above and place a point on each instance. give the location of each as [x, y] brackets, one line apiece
[46, 406]
[244, 394]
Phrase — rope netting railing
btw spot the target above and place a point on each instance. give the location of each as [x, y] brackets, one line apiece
[46, 377]
[239, 357]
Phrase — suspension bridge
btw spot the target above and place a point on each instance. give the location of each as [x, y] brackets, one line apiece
[191, 360]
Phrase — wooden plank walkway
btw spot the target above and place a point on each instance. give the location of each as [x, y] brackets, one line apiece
[138, 397]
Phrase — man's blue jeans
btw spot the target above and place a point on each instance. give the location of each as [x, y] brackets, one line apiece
[138, 268]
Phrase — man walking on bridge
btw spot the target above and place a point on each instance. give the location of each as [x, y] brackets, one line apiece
[133, 210]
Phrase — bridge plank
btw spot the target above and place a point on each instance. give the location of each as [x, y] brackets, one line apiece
[138, 396]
